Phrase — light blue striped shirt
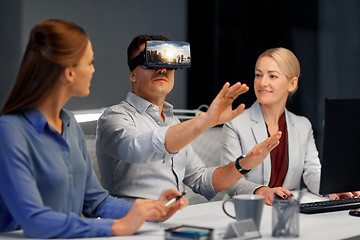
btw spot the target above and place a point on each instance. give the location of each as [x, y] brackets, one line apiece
[132, 158]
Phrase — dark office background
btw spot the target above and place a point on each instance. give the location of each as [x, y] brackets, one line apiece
[226, 38]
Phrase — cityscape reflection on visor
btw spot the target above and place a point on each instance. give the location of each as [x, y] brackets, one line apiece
[163, 54]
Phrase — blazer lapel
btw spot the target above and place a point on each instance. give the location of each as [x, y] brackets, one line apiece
[293, 148]
[260, 134]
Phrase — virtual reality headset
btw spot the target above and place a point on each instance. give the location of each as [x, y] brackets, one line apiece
[163, 54]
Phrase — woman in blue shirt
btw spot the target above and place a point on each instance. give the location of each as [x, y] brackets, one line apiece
[46, 177]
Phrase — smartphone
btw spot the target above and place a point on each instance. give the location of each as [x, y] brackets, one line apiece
[189, 232]
[355, 212]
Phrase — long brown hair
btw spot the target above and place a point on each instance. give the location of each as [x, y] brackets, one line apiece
[53, 45]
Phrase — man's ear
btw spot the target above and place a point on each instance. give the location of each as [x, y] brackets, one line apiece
[69, 74]
[132, 76]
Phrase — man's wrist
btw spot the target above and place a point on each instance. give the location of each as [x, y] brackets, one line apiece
[202, 123]
[238, 166]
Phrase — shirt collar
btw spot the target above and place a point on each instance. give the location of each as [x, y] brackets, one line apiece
[142, 105]
[38, 120]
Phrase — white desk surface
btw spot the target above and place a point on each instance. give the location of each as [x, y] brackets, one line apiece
[333, 225]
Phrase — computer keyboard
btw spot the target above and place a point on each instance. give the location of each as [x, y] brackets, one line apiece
[330, 205]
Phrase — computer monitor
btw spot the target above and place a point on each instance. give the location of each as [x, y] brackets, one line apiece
[340, 171]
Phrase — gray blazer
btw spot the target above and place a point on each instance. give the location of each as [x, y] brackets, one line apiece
[241, 134]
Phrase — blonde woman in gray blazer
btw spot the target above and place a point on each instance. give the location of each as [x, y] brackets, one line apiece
[276, 77]
[249, 128]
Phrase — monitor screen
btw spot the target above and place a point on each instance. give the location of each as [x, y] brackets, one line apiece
[341, 147]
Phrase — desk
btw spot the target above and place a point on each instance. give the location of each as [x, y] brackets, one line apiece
[334, 225]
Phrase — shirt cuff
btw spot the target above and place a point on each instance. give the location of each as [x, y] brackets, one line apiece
[210, 190]
[101, 227]
[158, 139]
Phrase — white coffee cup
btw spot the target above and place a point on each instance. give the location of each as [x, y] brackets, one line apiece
[246, 207]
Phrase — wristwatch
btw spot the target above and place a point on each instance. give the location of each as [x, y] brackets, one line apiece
[239, 168]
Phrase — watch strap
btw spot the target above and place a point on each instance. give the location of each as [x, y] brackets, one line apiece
[239, 168]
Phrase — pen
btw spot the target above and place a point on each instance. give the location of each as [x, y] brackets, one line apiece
[174, 199]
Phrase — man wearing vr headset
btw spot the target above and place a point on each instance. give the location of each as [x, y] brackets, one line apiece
[142, 148]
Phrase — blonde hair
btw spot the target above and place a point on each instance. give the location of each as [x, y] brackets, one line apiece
[287, 61]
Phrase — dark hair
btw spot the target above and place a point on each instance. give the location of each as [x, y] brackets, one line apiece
[138, 41]
[53, 45]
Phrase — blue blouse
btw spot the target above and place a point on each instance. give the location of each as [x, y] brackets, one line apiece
[47, 180]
